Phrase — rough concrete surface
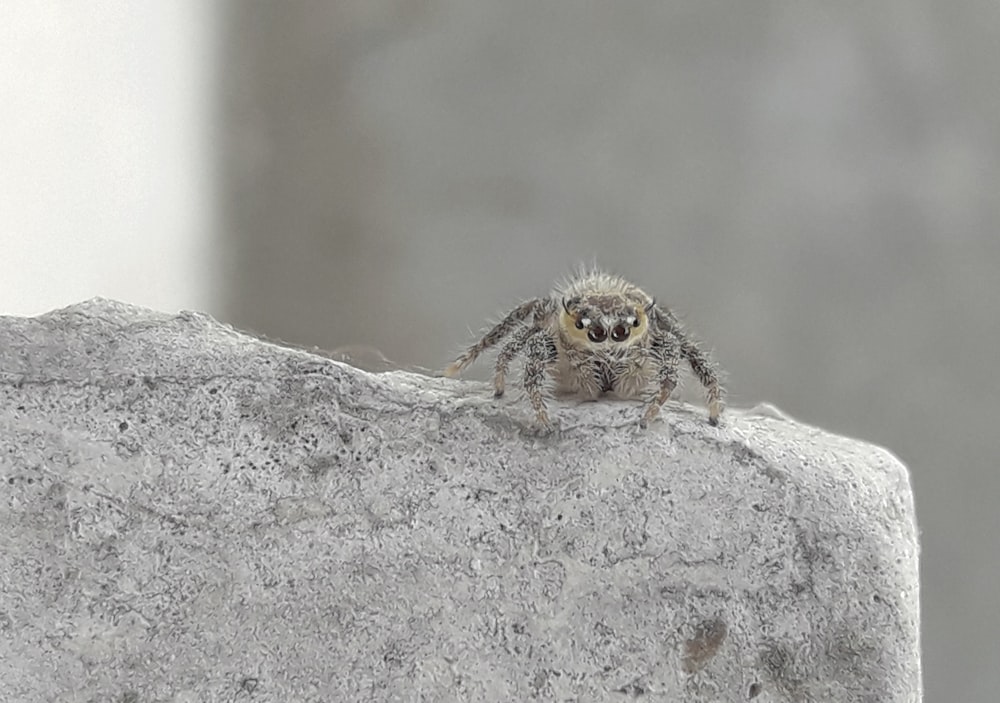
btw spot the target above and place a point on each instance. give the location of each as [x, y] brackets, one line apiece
[191, 514]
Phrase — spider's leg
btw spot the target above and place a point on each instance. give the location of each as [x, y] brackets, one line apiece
[507, 354]
[707, 374]
[514, 318]
[541, 355]
[667, 354]
[702, 365]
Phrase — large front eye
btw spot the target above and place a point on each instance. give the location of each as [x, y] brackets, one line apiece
[597, 334]
[620, 332]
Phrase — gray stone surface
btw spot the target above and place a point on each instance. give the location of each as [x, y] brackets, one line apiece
[191, 514]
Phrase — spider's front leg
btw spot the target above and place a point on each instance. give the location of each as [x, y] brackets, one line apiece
[541, 354]
[507, 354]
[668, 360]
[670, 333]
[514, 318]
[707, 375]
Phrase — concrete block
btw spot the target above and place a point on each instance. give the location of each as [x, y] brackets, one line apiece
[191, 514]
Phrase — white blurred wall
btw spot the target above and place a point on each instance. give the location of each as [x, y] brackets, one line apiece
[105, 181]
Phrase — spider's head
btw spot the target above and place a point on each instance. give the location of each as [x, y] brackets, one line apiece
[596, 321]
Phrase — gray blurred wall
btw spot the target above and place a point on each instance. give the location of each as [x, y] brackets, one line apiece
[813, 185]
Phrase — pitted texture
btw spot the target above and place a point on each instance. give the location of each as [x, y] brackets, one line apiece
[191, 514]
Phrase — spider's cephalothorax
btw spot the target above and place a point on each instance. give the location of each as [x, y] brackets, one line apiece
[597, 334]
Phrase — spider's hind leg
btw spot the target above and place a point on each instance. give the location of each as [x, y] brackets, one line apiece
[503, 328]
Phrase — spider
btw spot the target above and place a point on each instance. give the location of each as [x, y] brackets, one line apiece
[596, 334]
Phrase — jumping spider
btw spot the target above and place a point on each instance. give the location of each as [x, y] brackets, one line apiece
[597, 334]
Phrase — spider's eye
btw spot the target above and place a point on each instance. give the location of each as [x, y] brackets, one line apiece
[620, 332]
[597, 334]
[634, 321]
[579, 324]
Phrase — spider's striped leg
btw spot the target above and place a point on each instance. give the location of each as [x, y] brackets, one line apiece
[541, 355]
[668, 358]
[707, 374]
[507, 325]
[507, 354]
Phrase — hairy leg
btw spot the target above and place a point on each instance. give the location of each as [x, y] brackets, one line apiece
[541, 355]
[667, 354]
[507, 354]
[514, 318]
[664, 320]
[707, 374]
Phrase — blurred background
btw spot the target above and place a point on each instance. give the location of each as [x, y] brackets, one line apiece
[814, 186]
